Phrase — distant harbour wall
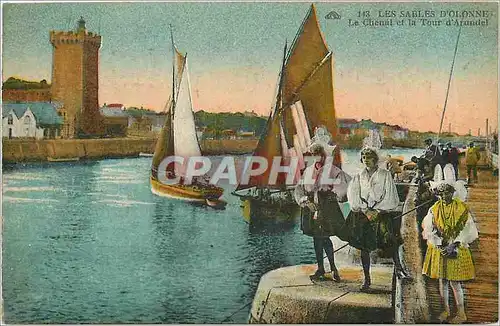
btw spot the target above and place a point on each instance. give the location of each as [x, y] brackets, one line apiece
[29, 150]
[14, 150]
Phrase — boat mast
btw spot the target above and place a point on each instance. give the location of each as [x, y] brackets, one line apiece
[278, 108]
[279, 97]
[274, 114]
[448, 89]
[172, 103]
[173, 69]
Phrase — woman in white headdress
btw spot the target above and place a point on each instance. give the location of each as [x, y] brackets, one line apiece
[374, 200]
[448, 174]
[449, 229]
[318, 193]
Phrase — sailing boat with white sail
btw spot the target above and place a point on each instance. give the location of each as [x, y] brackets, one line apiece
[178, 138]
[304, 106]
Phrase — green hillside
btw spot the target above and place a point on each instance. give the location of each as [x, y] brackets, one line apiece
[217, 122]
[15, 83]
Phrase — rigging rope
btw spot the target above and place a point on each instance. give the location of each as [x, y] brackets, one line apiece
[234, 313]
[395, 218]
[448, 89]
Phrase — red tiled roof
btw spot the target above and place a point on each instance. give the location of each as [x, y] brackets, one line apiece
[397, 127]
[114, 105]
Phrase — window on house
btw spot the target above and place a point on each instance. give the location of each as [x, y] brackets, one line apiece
[10, 120]
[27, 120]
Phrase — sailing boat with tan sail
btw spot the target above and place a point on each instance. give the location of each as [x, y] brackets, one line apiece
[304, 109]
[178, 138]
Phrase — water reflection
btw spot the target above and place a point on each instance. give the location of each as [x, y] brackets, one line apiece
[183, 259]
[272, 227]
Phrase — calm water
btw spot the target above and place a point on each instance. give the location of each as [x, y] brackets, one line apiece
[89, 243]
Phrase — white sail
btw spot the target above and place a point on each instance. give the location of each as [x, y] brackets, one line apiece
[299, 150]
[185, 140]
[298, 126]
[303, 122]
[284, 145]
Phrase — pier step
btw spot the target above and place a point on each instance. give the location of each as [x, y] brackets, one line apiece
[288, 296]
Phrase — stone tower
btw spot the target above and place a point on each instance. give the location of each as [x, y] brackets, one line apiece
[75, 80]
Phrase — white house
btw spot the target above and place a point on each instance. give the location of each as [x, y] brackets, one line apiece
[399, 133]
[30, 120]
[157, 122]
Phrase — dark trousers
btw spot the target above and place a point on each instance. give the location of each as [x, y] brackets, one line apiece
[471, 169]
[323, 244]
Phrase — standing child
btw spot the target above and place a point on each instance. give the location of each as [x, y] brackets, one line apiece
[321, 216]
[373, 197]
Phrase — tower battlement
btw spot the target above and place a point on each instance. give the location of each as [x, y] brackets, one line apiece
[63, 37]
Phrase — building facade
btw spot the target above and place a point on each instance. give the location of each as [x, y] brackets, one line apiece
[26, 95]
[37, 120]
[115, 120]
[75, 79]
[346, 127]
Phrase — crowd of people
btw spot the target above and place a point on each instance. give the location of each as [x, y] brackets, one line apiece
[374, 221]
[448, 154]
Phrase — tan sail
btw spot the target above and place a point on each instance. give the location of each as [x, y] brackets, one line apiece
[164, 146]
[309, 78]
[306, 53]
[316, 96]
[269, 146]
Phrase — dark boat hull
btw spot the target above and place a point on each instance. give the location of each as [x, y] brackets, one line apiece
[260, 212]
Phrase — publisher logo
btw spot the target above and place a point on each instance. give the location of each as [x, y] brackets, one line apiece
[333, 15]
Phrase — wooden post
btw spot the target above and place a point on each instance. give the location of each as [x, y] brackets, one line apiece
[411, 303]
[487, 134]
